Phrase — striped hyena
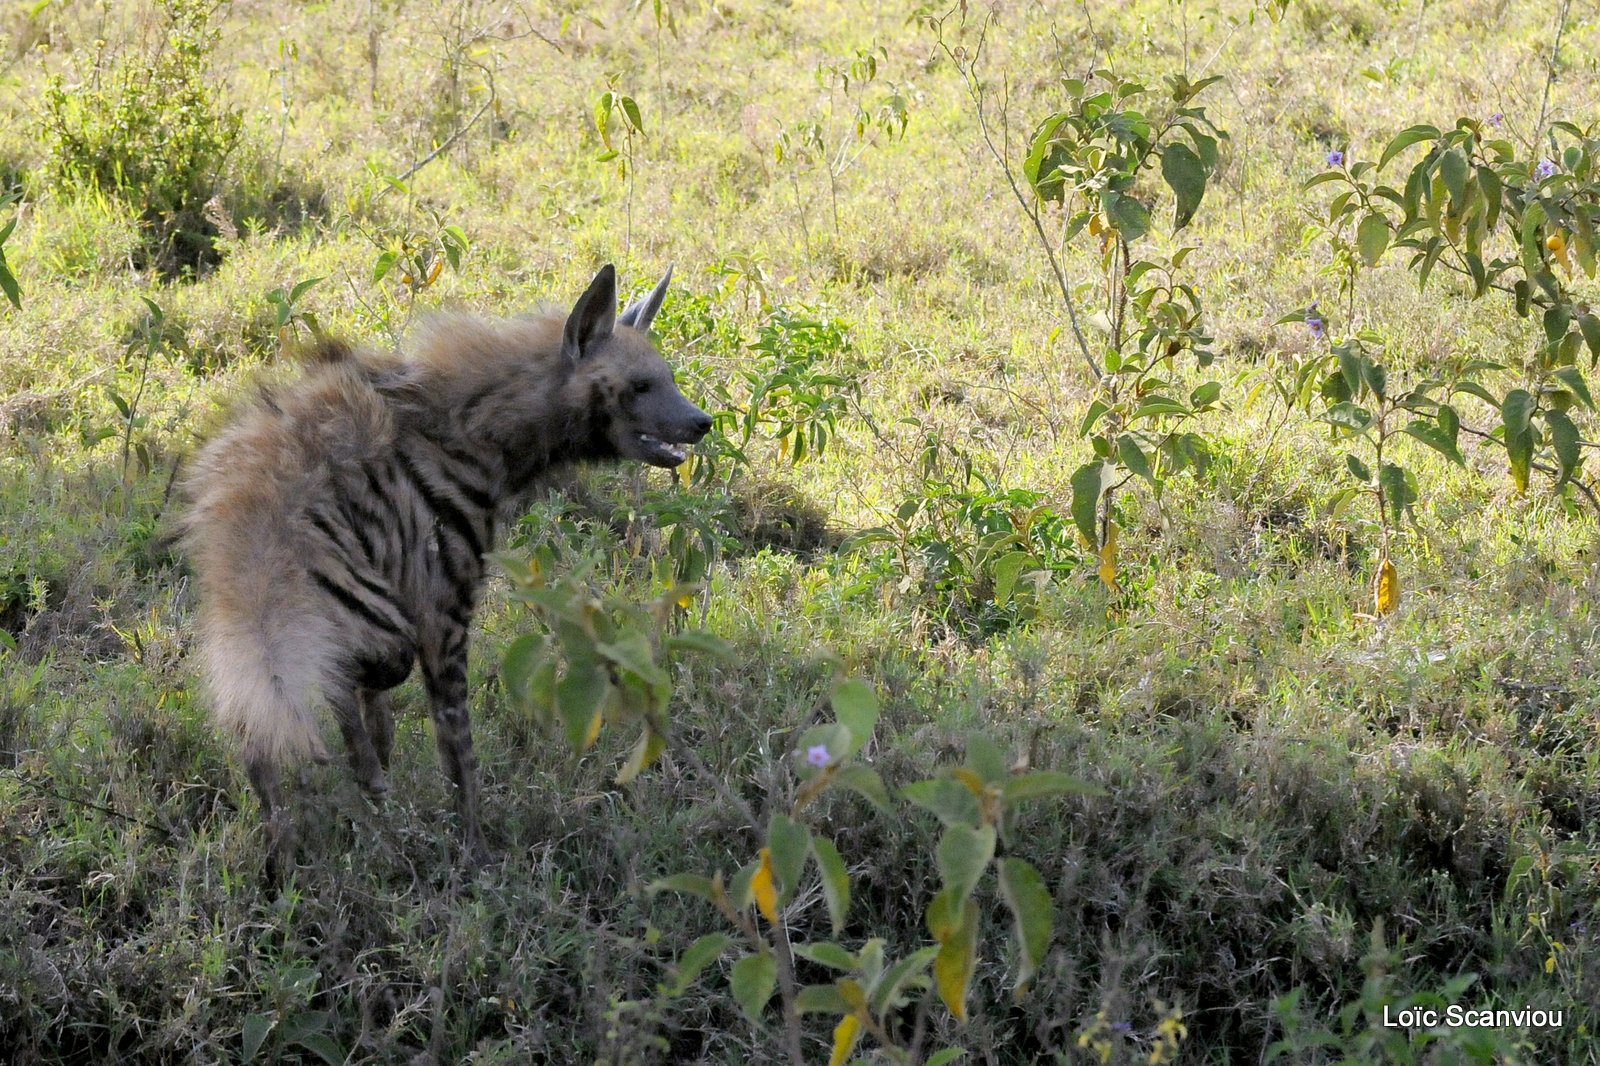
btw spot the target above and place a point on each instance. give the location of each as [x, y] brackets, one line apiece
[337, 525]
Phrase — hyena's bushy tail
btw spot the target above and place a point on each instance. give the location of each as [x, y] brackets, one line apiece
[265, 683]
[265, 651]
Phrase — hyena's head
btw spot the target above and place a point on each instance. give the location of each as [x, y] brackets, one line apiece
[633, 404]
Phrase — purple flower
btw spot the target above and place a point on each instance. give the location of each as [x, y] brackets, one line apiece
[1544, 169]
[1336, 158]
[1122, 1027]
[1318, 327]
[817, 755]
[1497, 119]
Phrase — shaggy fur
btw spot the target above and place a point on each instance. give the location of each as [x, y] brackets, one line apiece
[337, 525]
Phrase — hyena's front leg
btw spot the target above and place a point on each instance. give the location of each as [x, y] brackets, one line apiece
[444, 671]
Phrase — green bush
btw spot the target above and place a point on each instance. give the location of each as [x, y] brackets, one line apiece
[151, 129]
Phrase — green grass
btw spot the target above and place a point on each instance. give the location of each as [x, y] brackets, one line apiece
[1298, 799]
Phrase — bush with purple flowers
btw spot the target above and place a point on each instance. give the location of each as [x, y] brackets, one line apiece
[1506, 226]
[1085, 176]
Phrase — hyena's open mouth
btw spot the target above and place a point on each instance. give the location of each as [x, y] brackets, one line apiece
[658, 452]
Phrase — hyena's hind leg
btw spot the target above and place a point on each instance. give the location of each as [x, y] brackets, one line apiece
[267, 779]
[350, 712]
[444, 671]
[377, 710]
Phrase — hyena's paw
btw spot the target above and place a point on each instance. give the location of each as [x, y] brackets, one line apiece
[374, 784]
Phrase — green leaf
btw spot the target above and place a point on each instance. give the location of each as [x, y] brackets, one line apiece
[300, 289]
[633, 653]
[1128, 216]
[1405, 139]
[693, 884]
[384, 263]
[835, 880]
[1589, 326]
[8, 284]
[952, 802]
[1437, 439]
[700, 641]
[1024, 891]
[1206, 394]
[864, 781]
[1045, 157]
[1134, 459]
[752, 981]
[986, 758]
[886, 990]
[827, 954]
[856, 707]
[1565, 441]
[1042, 783]
[1006, 571]
[1398, 491]
[1186, 174]
[1455, 168]
[522, 657]
[1359, 469]
[945, 1057]
[702, 953]
[1087, 484]
[631, 109]
[256, 1029]
[578, 698]
[1372, 237]
[1572, 378]
[820, 999]
[962, 856]
[1516, 410]
[790, 842]
[1347, 416]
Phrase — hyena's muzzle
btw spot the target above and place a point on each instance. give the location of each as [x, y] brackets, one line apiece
[664, 426]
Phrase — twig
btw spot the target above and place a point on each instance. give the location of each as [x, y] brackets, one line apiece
[728, 796]
[974, 86]
[79, 801]
[449, 141]
[1550, 74]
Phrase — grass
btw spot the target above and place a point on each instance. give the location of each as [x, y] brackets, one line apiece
[1302, 807]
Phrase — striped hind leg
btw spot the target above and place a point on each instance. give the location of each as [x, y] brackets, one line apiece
[267, 779]
[444, 671]
[348, 710]
[378, 712]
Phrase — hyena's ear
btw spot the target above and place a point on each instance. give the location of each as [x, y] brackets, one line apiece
[593, 317]
[642, 312]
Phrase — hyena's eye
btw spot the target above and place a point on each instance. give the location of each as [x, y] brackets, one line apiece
[642, 386]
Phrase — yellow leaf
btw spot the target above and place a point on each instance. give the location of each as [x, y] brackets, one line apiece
[1108, 559]
[952, 967]
[973, 782]
[433, 275]
[765, 889]
[592, 734]
[845, 1035]
[686, 601]
[649, 747]
[1388, 588]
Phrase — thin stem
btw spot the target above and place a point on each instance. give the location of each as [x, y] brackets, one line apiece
[974, 85]
[1550, 74]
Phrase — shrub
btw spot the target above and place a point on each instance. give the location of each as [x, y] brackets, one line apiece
[152, 130]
